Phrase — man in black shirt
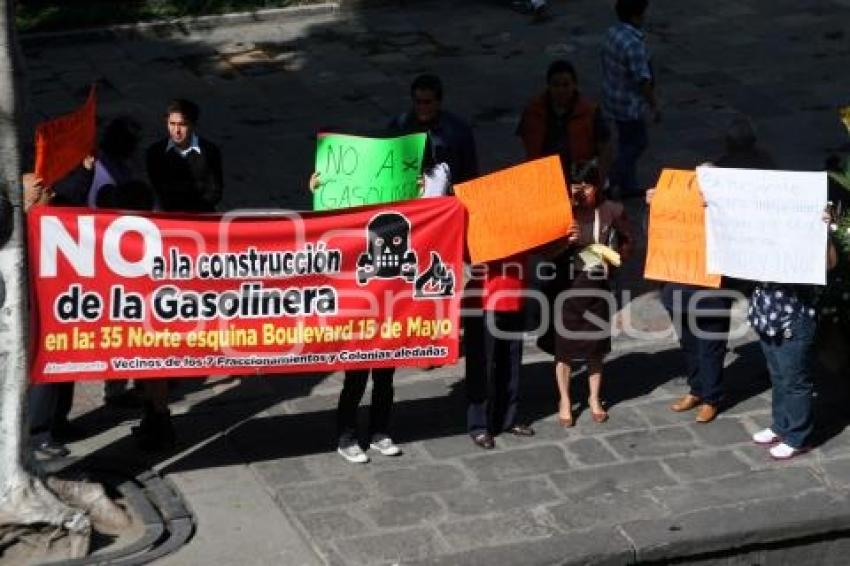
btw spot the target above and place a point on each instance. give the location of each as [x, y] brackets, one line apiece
[184, 169]
[185, 172]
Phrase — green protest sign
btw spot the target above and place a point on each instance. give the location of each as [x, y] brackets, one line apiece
[356, 171]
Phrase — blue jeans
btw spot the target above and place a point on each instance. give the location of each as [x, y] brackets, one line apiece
[789, 362]
[704, 355]
[632, 140]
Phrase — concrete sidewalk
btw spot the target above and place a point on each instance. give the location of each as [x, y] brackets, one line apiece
[255, 461]
[256, 464]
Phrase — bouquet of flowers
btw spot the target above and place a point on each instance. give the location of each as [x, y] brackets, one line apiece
[834, 331]
[835, 301]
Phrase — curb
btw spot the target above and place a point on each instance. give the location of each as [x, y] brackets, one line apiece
[168, 522]
[178, 26]
[812, 526]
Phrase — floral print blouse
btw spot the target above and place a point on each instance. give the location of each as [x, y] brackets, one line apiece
[773, 308]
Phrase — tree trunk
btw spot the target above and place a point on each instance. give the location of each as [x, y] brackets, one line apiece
[24, 498]
[13, 322]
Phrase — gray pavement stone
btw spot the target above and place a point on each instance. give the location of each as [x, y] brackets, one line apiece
[706, 466]
[837, 446]
[505, 465]
[504, 528]
[412, 455]
[197, 475]
[499, 497]
[658, 412]
[759, 458]
[838, 473]
[756, 405]
[424, 479]
[222, 538]
[653, 443]
[449, 446]
[765, 484]
[632, 476]
[321, 494]
[599, 547]
[621, 419]
[405, 545]
[405, 512]
[315, 403]
[326, 525]
[427, 389]
[723, 431]
[590, 451]
[675, 387]
[605, 509]
[283, 472]
[546, 431]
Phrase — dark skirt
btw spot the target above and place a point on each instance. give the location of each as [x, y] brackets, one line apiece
[586, 330]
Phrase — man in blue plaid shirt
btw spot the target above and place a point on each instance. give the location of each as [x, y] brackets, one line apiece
[628, 91]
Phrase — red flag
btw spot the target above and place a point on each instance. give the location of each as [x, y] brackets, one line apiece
[62, 143]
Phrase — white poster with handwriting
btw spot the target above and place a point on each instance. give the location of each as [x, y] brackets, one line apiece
[765, 225]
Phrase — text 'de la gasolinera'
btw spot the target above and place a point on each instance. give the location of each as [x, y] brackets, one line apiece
[121, 295]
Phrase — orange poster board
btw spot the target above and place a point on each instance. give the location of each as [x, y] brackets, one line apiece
[516, 209]
[62, 143]
[676, 244]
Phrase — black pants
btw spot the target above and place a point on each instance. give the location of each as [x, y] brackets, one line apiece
[349, 399]
[704, 354]
[64, 401]
[492, 373]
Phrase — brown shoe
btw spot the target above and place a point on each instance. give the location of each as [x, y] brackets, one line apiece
[599, 417]
[686, 403]
[706, 413]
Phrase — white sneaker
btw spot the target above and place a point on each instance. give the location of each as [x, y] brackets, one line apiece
[766, 436]
[353, 453]
[385, 445]
[784, 452]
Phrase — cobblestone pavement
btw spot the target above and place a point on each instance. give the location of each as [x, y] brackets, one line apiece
[647, 485]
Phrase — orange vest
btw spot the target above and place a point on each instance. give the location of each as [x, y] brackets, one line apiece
[580, 128]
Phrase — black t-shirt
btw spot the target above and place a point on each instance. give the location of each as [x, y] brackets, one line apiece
[186, 184]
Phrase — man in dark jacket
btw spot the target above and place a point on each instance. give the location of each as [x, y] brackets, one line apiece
[184, 169]
[450, 138]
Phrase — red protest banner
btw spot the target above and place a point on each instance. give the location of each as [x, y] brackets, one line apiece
[62, 143]
[120, 295]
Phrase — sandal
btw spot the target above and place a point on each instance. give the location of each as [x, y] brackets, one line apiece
[566, 422]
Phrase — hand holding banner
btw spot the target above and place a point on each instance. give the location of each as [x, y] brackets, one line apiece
[357, 171]
[516, 209]
[62, 143]
[676, 240]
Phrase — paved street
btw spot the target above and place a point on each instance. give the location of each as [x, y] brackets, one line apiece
[255, 460]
